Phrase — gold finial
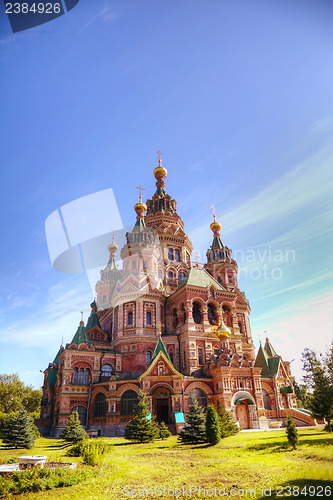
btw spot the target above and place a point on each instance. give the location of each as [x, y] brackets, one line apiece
[215, 225]
[259, 336]
[141, 188]
[160, 325]
[213, 210]
[160, 172]
[197, 257]
[113, 245]
[81, 315]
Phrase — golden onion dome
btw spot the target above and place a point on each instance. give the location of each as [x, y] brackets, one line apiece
[223, 331]
[113, 246]
[160, 171]
[139, 207]
[215, 226]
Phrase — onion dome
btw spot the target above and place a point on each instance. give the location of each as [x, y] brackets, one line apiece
[113, 247]
[215, 225]
[223, 330]
[140, 207]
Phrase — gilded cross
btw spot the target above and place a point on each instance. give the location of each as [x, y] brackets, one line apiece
[81, 315]
[197, 257]
[159, 157]
[141, 188]
[213, 209]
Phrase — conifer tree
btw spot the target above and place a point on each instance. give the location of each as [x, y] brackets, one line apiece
[195, 432]
[18, 431]
[292, 433]
[164, 431]
[140, 428]
[73, 433]
[228, 426]
[213, 431]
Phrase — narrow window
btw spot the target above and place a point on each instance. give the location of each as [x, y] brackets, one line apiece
[181, 277]
[148, 318]
[177, 255]
[170, 276]
[130, 318]
[149, 355]
[200, 357]
[170, 254]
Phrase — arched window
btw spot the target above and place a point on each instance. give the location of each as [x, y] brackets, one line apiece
[212, 318]
[160, 274]
[219, 279]
[128, 401]
[107, 371]
[196, 313]
[267, 401]
[149, 355]
[177, 255]
[86, 377]
[240, 326]
[200, 356]
[130, 318]
[148, 318]
[170, 253]
[183, 313]
[99, 405]
[170, 276]
[75, 376]
[181, 276]
[82, 411]
[200, 396]
[174, 318]
[81, 377]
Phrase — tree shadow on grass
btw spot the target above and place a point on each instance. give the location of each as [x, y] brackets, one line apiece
[268, 445]
[300, 488]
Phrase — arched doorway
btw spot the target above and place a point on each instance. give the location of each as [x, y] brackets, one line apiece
[244, 409]
[242, 413]
[161, 405]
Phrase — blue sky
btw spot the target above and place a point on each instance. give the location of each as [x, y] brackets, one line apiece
[238, 95]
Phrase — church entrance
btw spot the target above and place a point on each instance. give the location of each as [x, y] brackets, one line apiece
[242, 414]
[161, 405]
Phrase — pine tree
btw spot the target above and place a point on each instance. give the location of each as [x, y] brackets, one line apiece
[213, 431]
[292, 433]
[195, 432]
[18, 431]
[227, 425]
[73, 433]
[140, 428]
[164, 431]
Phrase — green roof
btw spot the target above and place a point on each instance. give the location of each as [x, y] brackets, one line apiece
[160, 347]
[269, 348]
[93, 321]
[56, 359]
[201, 278]
[81, 335]
[51, 377]
[268, 363]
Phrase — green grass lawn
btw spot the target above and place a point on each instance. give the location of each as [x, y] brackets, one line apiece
[251, 460]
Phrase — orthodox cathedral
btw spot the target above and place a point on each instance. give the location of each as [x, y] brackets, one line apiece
[171, 328]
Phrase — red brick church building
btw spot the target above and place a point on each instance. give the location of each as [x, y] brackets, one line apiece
[170, 328]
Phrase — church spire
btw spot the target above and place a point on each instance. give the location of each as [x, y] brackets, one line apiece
[140, 209]
[215, 227]
[161, 201]
[112, 264]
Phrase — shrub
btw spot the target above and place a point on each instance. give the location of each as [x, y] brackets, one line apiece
[164, 431]
[196, 430]
[41, 479]
[140, 428]
[292, 433]
[213, 427]
[18, 430]
[93, 453]
[227, 425]
[73, 433]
